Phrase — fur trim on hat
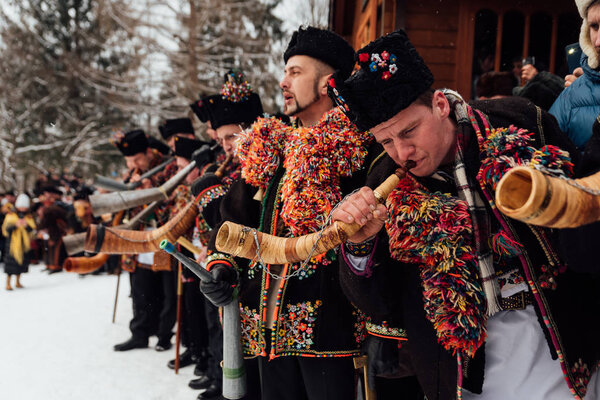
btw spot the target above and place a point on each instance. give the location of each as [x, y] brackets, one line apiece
[582, 6]
[587, 46]
[584, 35]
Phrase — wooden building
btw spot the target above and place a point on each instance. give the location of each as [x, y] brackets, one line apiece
[459, 39]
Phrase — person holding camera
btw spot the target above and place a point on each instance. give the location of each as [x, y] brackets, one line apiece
[579, 104]
[539, 86]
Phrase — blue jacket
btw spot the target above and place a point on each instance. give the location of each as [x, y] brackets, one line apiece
[578, 106]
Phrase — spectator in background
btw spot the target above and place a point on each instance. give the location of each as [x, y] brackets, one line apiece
[495, 85]
[485, 63]
[540, 86]
[5, 207]
[517, 65]
[53, 221]
[578, 105]
[18, 228]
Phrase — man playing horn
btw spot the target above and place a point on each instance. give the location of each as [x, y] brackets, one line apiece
[152, 291]
[234, 110]
[490, 309]
[295, 319]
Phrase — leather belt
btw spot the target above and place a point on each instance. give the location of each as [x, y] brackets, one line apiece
[517, 301]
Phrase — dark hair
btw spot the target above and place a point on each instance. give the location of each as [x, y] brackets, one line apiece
[426, 98]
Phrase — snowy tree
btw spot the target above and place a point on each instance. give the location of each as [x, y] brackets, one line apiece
[65, 70]
[216, 36]
[74, 70]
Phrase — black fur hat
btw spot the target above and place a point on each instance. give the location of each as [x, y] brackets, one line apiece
[237, 103]
[175, 126]
[185, 147]
[391, 77]
[83, 192]
[156, 144]
[323, 45]
[52, 189]
[202, 107]
[132, 143]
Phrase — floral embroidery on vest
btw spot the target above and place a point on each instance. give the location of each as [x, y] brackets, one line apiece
[360, 326]
[252, 338]
[295, 327]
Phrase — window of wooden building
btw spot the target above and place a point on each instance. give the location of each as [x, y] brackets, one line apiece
[504, 37]
[460, 39]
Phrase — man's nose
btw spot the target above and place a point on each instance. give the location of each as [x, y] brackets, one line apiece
[284, 82]
[405, 152]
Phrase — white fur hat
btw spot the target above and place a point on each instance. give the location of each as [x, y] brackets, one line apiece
[584, 35]
[22, 201]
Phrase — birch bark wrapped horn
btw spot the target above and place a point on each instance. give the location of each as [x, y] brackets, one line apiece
[100, 239]
[75, 243]
[530, 196]
[239, 241]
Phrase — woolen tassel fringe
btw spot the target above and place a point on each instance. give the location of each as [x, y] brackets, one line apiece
[504, 246]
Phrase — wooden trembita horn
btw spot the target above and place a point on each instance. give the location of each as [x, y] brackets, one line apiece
[75, 243]
[85, 265]
[100, 239]
[111, 184]
[239, 241]
[530, 196]
[117, 201]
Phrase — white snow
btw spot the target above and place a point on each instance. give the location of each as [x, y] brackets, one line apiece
[56, 339]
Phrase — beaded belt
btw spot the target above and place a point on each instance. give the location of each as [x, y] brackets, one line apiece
[517, 301]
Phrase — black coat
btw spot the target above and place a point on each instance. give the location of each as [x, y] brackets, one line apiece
[337, 328]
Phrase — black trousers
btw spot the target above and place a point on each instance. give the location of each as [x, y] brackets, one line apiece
[154, 303]
[194, 334]
[215, 342]
[307, 378]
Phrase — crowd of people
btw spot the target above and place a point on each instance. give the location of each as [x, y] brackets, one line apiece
[447, 297]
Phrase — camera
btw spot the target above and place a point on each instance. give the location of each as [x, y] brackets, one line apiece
[528, 61]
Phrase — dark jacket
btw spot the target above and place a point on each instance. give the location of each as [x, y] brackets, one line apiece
[542, 90]
[578, 105]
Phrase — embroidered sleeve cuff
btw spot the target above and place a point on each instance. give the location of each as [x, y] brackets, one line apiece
[220, 258]
[209, 194]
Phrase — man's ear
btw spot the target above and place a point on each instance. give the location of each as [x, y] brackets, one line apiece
[323, 84]
[440, 104]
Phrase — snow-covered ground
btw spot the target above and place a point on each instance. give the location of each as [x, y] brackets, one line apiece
[56, 339]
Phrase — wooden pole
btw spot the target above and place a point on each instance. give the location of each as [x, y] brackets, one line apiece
[116, 297]
[361, 362]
